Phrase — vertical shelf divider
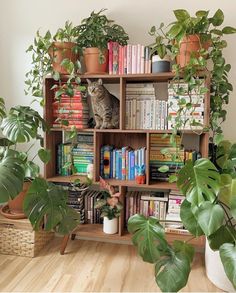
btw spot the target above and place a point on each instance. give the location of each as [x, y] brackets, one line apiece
[147, 158]
[122, 190]
[97, 153]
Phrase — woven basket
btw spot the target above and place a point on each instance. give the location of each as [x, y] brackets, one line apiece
[18, 238]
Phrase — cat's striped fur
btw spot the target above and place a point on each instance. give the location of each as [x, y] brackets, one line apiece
[106, 107]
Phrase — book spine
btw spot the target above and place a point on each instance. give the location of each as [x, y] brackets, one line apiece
[110, 54]
[115, 58]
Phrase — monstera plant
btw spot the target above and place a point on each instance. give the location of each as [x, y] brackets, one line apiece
[209, 209]
[20, 125]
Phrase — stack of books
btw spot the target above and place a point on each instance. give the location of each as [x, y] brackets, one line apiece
[147, 203]
[194, 116]
[63, 158]
[71, 111]
[129, 59]
[121, 163]
[83, 153]
[173, 213]
[158, 159]
[143, 109]
[92, 215]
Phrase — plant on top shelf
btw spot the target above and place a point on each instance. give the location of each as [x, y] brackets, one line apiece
[95, 32]
[208, 209]
[54, 55]
[43, 201]
[197, 44]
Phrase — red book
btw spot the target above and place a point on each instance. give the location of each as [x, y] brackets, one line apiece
[120, 60]
[70, 116]
[69, 106]
[115, 57]
[110, 48]
[125, 59]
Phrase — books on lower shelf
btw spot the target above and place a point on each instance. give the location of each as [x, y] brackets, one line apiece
[147, 203]
[120, 163]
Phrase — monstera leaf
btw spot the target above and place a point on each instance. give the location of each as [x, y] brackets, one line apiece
[226, 157]
[48, 202]
[199, 181]
[11, 177]
[2, 109]
[173, 269]
[148, 237]
[228, 258]
[22, 124]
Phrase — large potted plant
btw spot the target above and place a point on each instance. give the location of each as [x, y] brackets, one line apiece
[208, 209]
[22, 124]
[95, 32]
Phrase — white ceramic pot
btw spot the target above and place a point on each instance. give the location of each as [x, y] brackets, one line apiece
[215, 270]
[110, 226]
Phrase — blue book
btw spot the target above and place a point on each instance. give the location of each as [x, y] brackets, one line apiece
[132, 166]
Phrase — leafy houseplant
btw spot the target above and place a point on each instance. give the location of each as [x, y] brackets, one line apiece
[205, 61]
[208, 209]
[53, 55]
[95, 32]
[19, 125]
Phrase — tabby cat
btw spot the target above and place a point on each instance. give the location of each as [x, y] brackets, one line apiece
[106, 107]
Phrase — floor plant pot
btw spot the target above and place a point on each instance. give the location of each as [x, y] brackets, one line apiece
[160, 65]
[110, 226]
[60, 51]
[215, 270]
[91, 60]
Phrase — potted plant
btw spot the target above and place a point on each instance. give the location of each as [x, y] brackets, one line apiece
[208, 209]
[110, 207]
[95, 32]
[54, 55]
[43, 200]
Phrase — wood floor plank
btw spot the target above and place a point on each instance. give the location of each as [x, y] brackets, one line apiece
[89, 266]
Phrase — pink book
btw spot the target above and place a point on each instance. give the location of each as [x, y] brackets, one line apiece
[120, 60]
[110, 45]
[125, 59]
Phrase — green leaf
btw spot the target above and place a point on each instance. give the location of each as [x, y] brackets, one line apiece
[69, 222]
[199, 181]
[172, 271]
[181, 14]
[228, 258]
[218, 18]
[12, 177]
[218, 138]
[44, 155]
[163, 169]
[221, 236]
[174, 30]
[229, 30]
[211, 217]
[47, 199]
[190, 219]
[232, 198]
[148, 237]
[202, 13]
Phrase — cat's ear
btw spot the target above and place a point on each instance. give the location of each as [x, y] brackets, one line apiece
[88, 81]
[100, 81]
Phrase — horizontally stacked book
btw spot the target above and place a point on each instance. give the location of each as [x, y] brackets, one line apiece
[129, 59]
[121, 163]
[192, 116]
[71, 111]
[143, 109]
[162, 153]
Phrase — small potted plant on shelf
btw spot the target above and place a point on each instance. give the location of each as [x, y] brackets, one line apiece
[208, 209]
[54, 55]
[95, 32]
[110, 207]
[43, 200]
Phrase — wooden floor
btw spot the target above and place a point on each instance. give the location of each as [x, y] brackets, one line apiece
[89, 266]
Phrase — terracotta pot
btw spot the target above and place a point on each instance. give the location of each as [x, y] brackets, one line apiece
[91, 60]
[188, 46]
[62, 50]
[16, 204]
[140, 179]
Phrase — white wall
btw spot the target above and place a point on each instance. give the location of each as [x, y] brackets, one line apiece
[20, 19]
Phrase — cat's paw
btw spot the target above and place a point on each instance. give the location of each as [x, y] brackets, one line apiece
[107, 125]
[97, 126]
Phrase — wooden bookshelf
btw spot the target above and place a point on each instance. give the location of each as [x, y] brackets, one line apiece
[118, 137]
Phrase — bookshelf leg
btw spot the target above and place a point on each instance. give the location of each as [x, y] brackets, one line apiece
[64, 244]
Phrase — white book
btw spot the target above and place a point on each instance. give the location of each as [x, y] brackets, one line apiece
[142, 59]
[134, 59]
[138, 58]
[129, 59]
